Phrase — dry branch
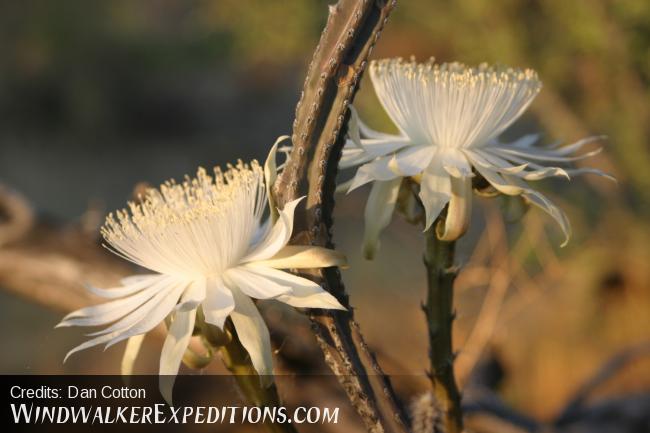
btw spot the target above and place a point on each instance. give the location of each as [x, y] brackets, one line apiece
[49, 264]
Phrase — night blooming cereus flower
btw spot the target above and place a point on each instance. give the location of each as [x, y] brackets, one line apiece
[449, 117]
[206, 244]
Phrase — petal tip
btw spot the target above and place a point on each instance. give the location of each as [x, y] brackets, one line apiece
[369, 251]
[67, 355]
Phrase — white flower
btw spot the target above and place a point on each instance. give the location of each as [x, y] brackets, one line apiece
[206, 244]
[449, 117]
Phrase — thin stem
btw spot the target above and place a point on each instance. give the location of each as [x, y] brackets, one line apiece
[238, 362]
[441, 273]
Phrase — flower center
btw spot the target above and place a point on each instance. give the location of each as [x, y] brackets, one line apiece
[451, 105]
[195, 229]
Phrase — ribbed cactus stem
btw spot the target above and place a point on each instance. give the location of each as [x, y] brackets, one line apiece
[441, 273]
[319, 129]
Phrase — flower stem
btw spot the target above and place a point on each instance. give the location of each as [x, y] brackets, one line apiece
[238, 362]
[441, 273]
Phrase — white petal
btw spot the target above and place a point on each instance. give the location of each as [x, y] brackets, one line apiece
[357, 129]
[133, 345]
[412, 160]
[353, 128]
[282, 278]
[541, 155]
[90, 343]
[194, 294]
[513, 185]
[538, 199]
[493, 162]
[378, 213]
[525, 141]
[152, 320]
[352, 156]
[143, 310]
[363, 176]
[319, 299]
[498, 181]
[379, 169]
[370, 133]
[270, 174]
[344, 187]
[587, 170]
[435, 190]
[110, 311]
[149, 322]
[304, 293]
[218, 304]
[253, 335]
[574, 147]
[455, 163]
[304, 257]
[543, 173]
[176, 342]
[460, 209]
[130, 285]
[134, 279]
[527, 170]
[358, 150]
[261, 232]
[376, 147]
[555, 212]
[252, 284]
[538, 171]
[277, 237]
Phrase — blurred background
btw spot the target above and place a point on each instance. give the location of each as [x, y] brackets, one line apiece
[97, 97]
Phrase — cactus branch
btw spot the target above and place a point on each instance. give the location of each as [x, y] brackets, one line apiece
[441, 273]
[339, 60]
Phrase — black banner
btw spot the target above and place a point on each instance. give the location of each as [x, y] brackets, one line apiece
[113, 403]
